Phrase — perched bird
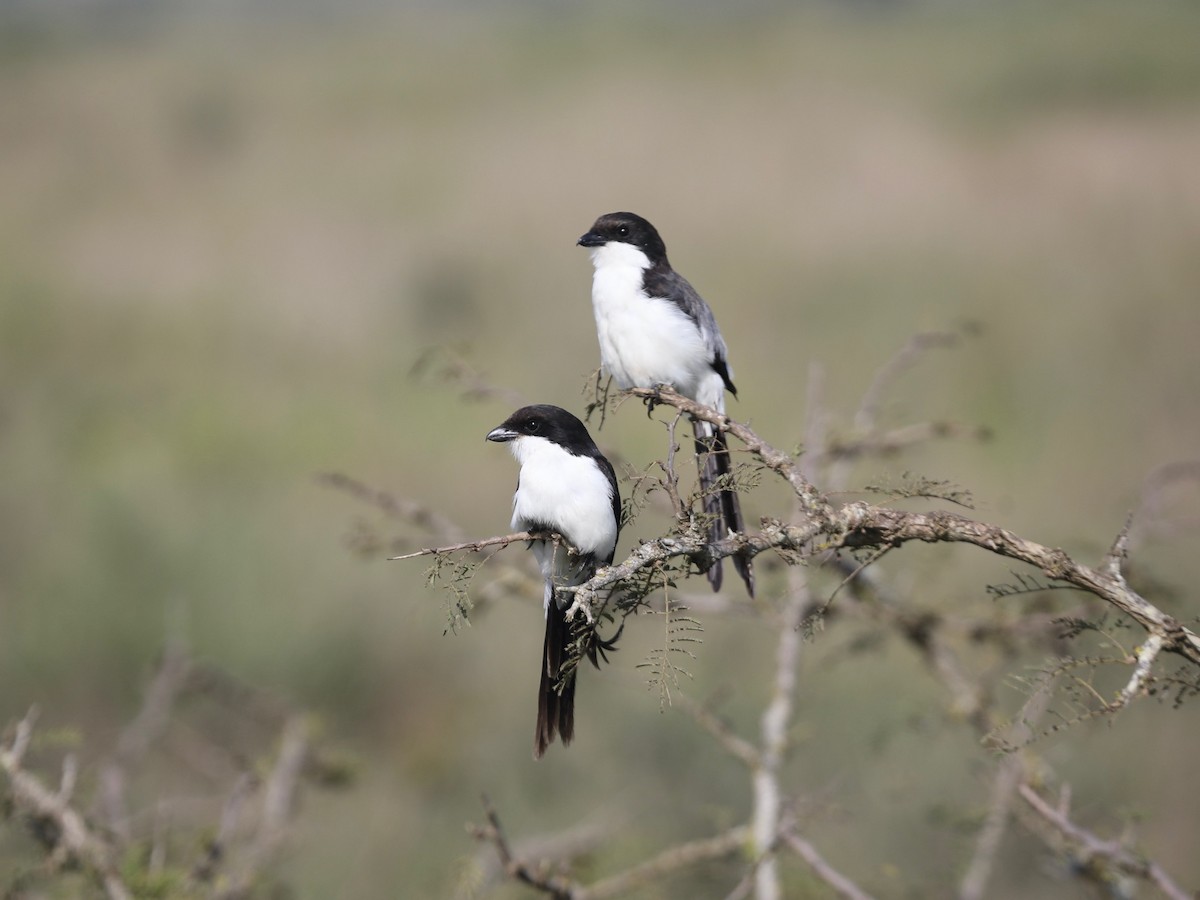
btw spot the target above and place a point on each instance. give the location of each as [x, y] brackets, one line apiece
[565, 486]
[655, 329]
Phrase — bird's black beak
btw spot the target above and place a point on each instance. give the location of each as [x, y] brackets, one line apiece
[591, 239]
[500, 435]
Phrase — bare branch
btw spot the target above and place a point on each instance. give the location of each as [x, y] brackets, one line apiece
[816, 427]
[670, 476]
[924, 631]
[476, 546]
[24, 734]
[1009, 772]
[493, 833]
[736, 746]
[1092, 849]
[542, 879]
[398, 508]
[560, 844]
[776, 720]
[817, 531]
[1114, 560]
[278, 800]
[75, 839]
[451, 368]
[1146, 654]
[135, 740]
[841, 885]
[1148, 514]
[70, 775]
[856, 525]
[282, 783]
[679, 857]
[851, 574]
[888, 443]
[205, 868]
[862, 525]
[777, 461]
[908, 356]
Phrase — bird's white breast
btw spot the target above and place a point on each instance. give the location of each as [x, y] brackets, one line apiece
[643, 341]
[569, 493]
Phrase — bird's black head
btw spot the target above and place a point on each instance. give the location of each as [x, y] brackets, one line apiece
[626, 228]
[553, 423]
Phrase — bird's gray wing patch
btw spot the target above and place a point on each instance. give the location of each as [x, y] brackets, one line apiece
[667, 284]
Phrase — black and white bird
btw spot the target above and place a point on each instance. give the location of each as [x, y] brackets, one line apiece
[655, 329]
[568, 487]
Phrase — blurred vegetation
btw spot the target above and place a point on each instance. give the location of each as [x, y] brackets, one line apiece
[225, 242]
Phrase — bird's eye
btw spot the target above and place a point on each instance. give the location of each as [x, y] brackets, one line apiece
[533, 426]
[623, 230]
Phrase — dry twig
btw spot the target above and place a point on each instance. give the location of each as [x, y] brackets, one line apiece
[1090, 850]
[75, 839]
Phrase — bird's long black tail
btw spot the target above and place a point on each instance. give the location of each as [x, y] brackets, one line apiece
[556, 708]
[721, 504]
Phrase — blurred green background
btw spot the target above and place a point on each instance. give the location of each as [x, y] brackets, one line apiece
[226, 238]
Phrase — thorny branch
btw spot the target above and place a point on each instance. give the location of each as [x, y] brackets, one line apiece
[399, 509]
[542, 878]
[277, 801]
[867, 417]
[818, 529]
[144, 730]
[445, 365]
[476, 546]
[674, 859]
[234, 860]
[536, 877]
[860, 525]
[1007, 777]
[75, 838]
[1091, 851]
[842, 886]
[737, 746]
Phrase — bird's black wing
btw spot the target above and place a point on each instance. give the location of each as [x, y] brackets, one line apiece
[606, 467]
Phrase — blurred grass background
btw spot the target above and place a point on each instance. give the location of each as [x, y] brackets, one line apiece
[226, 239]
